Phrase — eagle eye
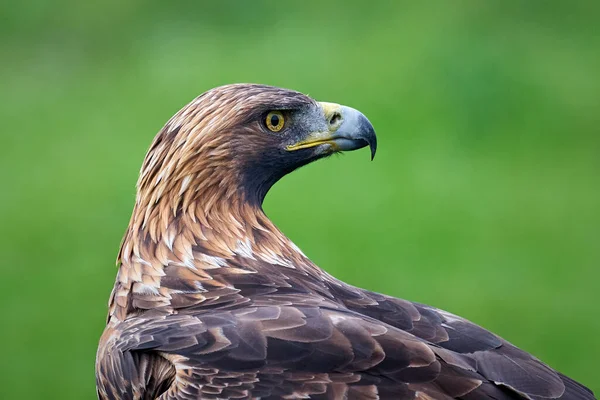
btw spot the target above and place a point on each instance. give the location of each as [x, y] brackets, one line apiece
[275, 121]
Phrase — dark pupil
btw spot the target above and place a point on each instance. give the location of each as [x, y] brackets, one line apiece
[274, 120]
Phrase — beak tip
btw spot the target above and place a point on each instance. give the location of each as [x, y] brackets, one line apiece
[367, 133]
[373, 147]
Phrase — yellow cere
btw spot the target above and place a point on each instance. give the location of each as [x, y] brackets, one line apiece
[329, 109]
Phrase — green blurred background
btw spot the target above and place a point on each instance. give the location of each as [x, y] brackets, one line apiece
[484, 198]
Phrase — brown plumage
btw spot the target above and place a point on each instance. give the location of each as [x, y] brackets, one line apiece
[212, 301]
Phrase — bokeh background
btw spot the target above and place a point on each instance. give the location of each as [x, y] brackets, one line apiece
[484, 197]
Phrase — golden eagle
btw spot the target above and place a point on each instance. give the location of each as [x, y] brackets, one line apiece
[212, 301]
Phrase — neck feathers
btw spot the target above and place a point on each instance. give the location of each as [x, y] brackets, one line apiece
[185, 251]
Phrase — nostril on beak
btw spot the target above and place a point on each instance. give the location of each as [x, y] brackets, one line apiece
[335, 118]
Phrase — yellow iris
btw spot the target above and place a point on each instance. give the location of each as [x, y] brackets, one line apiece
[275, 121]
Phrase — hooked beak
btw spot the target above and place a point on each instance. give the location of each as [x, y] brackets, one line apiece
[347, 129]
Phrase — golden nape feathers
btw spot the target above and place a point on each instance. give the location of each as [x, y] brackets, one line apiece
[212, 301]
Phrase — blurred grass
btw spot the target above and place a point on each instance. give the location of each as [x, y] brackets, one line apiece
[484, 198]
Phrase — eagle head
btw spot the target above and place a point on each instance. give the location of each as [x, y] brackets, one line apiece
[238, 140]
